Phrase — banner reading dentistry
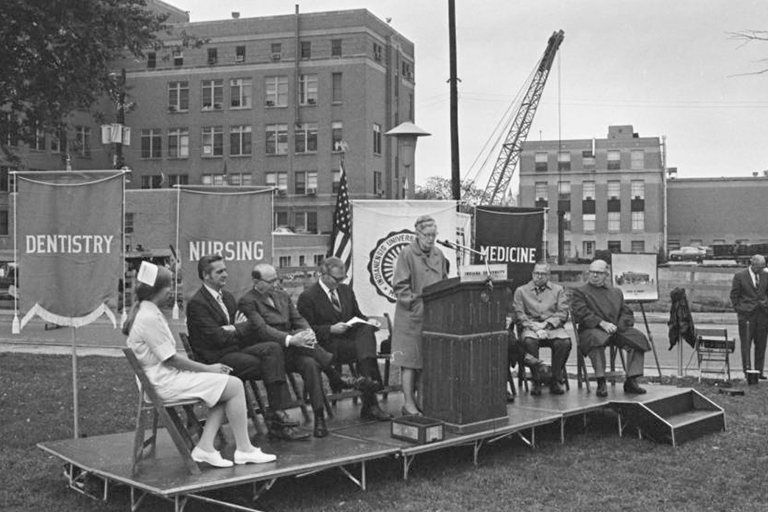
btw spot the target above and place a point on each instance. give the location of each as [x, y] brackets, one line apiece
[69, 245]
[236, 223]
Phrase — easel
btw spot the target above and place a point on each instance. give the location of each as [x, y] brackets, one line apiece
[650, 336]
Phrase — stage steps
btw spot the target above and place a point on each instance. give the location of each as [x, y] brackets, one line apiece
[672, 419]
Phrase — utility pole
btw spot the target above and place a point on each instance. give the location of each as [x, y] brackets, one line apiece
[119, 160]
[455, 171]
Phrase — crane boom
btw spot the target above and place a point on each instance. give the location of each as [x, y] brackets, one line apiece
[501, 176]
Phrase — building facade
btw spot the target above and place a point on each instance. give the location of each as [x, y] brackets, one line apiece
[611, 192]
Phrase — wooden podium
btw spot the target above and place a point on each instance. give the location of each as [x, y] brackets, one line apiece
[464, 379]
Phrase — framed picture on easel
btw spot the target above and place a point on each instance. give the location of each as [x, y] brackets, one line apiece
[636, 275]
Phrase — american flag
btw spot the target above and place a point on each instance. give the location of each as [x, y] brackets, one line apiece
[341, 241]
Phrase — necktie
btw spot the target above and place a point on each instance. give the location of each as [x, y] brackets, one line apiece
[335, 301]
[223, 306]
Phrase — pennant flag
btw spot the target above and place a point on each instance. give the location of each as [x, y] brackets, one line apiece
[341, 240]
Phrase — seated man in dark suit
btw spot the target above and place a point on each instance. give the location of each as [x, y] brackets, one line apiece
[272, 317]
[327, 305]
[604, 319]
[217, 336]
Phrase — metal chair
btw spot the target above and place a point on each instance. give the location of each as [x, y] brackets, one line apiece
[582, 374]
[713, 346]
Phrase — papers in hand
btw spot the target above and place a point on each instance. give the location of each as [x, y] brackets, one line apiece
[357, 320]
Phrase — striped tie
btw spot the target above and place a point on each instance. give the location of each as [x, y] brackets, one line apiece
[335, 301]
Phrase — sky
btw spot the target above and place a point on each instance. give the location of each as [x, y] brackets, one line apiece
[669, 69]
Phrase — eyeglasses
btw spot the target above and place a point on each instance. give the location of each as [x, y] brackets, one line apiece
[541, 274]
[428, 235]
[598, 272]
[270, 281]
[337, 279]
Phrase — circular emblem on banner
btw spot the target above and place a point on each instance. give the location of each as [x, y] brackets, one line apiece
[382, 260]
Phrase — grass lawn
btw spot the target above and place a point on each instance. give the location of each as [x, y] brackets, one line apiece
[594, 471]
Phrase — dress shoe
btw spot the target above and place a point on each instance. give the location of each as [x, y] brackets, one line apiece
[602, 389]
[536, 388]
[280, 418]
[405, 412]
[321, 429]
[213, 458]
[762, 377]
[555, 388]
[343, 382]
[254, 457]
[366, 385]
[631, 386]
[286, 433]
[374, 412]
[510, 396]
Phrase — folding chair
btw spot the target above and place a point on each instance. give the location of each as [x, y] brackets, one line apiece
[167, 414]
[583, 375]
[713, 345]
[522, 373]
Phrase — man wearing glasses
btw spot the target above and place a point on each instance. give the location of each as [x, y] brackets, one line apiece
[541, 309]
[272, 316]
[604, 319]
[328, 306]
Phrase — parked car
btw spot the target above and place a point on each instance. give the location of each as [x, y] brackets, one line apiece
[696, 254]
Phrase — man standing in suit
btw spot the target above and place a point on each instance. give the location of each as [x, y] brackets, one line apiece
[327, 305]
[218, 336]
[749, 297]
[272, 317]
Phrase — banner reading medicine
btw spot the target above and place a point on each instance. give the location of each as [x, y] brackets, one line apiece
[69, 245]
[235, 223]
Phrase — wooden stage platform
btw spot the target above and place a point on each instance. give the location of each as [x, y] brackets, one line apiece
[349, 446]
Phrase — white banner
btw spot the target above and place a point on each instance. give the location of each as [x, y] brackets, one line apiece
[380, 230]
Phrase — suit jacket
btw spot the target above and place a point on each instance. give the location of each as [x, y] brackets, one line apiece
[271, 323]
[745, 298]
[205, 320]
[316, 307]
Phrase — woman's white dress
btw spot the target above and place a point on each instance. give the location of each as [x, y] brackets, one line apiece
[152, 342]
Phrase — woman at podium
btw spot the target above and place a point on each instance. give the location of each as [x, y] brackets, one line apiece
[419, 265]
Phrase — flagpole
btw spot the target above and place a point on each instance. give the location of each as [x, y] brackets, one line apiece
[75, 401]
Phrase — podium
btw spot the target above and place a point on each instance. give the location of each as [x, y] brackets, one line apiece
[464, 378]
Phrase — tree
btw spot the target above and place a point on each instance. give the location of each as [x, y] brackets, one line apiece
[438, 187]
[748, 36]
[57, 57]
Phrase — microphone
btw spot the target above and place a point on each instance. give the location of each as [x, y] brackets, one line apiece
[445, 243]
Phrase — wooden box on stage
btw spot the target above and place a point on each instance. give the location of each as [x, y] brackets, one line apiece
[464, 379]
[417, 429]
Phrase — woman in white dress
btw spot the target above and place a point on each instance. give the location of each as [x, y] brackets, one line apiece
[178, 378]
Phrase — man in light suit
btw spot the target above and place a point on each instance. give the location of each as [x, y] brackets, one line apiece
[272, 317]
[218, 336]
[327, 305]
[749, 297]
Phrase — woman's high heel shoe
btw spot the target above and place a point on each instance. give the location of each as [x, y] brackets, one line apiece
[406, 412]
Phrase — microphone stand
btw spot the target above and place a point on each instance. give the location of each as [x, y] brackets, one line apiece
[464, 248]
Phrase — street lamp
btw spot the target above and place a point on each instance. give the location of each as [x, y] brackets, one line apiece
[406, 135]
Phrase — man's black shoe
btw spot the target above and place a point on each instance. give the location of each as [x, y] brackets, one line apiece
[763, 377]
[631, 386]
[535, 388]
[602, 389]
[374, 413]
[555, 388]
[342, 383]
[287, 434]
[279, 419]
[321, 429]
[367, 385]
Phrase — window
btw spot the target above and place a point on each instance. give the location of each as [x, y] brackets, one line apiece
[240, 179]
[56, 143]
[376, 139]
[305, 182]
[213, 141]
[306, 50]
[638, 246]
[318, 259]
[337, 136]
[614, 246]
[279, 180]
[614, 189]
[240, 91]
[563, 161]
[336, 87]
[82, 142]
[377, 187]
[410, 106]
[39, 142]
[564, 190]
[276, 50]
[11, 128]
[407, 70]
[638, 221]
[638, 159]
[213, 55]
[128, 223]
[336, 180]
[151, 143]
[567, 248]
[567, 222]
[588, 247]
[277, 139]
[155, 181]
[614, 222]
[215, 179]
[178, 143]
[277, 91]
[281, 219]
[308, 90]
[589, 222]
[541, 162]
[335, 47]
[305, 222]
[302, 260]
[638, 189]
[213, 94]
[5, 179]
[614, 160]
[588, 160]
[178, 96]
[240, 140]
[178, 58]
[239, 53]
[305, 138]
[673, 245]
[4, 222]
[588, 188]
[377, 52]
[540, 191]
[284, 261]
[151, 60]
[178, 179]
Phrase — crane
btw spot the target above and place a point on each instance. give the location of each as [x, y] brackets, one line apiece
[504, 168]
